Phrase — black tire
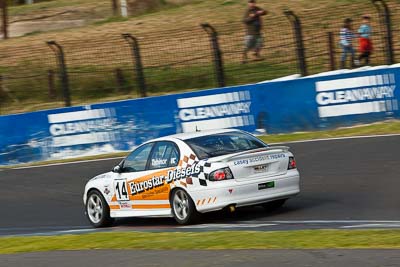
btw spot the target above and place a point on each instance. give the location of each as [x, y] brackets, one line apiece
[97, 210]
[183, 207]
[273, 205]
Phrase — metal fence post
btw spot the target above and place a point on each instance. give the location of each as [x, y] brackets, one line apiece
[331, 49]
[133, 42]
[385, 17]
[218, 61]
[120, 79]
[4, 11]
[58, 50]
[298, 34]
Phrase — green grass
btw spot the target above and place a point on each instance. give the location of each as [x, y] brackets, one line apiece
[310, 239]
[389, 127]
[104, 156]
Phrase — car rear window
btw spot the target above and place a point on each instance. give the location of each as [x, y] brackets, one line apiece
[223, 144]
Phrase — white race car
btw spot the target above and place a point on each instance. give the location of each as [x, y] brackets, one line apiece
[183, 175]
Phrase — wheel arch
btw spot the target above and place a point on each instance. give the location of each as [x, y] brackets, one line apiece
[184, 189]
[95, 189]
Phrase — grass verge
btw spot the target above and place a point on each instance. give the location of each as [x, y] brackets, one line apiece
[381, 128]
[49, 162]
[308, 239]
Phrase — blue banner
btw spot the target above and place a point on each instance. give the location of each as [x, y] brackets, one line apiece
[305, 104]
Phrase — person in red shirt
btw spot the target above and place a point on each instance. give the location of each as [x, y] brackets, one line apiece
[365, 43]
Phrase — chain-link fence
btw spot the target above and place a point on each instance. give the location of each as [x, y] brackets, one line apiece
[113, 67]
[316, 34]
[27, 77]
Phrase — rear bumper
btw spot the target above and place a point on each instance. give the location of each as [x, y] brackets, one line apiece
[219, 195]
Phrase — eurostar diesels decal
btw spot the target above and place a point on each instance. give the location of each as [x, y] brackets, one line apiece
[157, 181]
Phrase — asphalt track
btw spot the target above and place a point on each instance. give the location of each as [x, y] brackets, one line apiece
[351, 183]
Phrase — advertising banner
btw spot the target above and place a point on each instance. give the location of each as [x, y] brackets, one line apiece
[305, 104]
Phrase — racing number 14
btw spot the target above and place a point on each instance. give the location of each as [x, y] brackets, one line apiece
[120, 190]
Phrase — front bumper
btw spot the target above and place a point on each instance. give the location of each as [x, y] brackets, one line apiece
[218, 195]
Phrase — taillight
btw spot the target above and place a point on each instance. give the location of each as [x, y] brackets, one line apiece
[292, 163]
[221, 175]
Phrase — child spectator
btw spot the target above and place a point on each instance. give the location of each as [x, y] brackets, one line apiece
[365, 43]
[346, 42]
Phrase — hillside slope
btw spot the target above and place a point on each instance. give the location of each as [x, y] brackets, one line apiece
[175, 50]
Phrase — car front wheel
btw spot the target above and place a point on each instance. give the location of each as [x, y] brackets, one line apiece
[97, 210]
[183, 208]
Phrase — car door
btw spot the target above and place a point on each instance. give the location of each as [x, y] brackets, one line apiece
[133, 166]
[142, 182]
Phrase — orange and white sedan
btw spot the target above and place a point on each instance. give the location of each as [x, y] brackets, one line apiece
[184, 175]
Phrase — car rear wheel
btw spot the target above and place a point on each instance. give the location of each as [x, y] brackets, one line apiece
[97, 210]
[183, 208]
[273, 205]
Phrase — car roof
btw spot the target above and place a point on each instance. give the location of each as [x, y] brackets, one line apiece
[186, 136]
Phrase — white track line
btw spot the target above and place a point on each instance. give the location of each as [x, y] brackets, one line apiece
[293, 142]
[372, 225]
[331, 222]
[258, 224]
[227, 226]
[54, 233]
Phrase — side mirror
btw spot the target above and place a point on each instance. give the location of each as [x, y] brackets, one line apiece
[117, 169]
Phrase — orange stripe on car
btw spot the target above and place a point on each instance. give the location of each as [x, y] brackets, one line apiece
[114, 207]
[152, 206]
[152, 196]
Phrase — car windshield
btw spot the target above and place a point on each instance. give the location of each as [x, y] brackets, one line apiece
[223, 144]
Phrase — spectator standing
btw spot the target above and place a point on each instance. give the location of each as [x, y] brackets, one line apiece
[252, 20]
[346, 43]
[365, 43]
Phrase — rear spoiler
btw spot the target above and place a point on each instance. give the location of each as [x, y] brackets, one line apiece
[264, 149]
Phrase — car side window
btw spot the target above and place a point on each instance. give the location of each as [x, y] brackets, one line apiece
[164, 155]
[137, 160]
